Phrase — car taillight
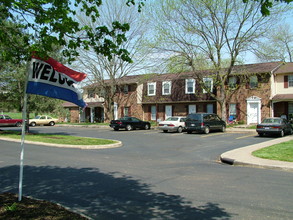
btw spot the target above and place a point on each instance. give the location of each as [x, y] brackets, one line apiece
[259, 126]
[202, 124]
[119, 122]
[171, 125]
[276, 127]
[161, 125]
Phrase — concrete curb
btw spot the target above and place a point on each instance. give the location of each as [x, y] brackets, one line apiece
[85, 147]
[243, 156]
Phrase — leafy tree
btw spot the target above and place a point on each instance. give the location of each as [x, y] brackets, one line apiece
[278, 46]
[50, 22]
[219, 30]
[104, 72]
[266, 5]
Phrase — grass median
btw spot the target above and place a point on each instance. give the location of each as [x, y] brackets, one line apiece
[57, 139]
[282, 152]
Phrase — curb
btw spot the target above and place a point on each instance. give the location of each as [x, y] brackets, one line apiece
[84, 147]
[243, 156]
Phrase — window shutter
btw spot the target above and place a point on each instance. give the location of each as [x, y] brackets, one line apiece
[122, 111]
[238, 110]
[285, 81]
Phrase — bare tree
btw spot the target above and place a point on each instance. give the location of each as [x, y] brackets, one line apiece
[104, 72]
[219, 30]
[278, 46]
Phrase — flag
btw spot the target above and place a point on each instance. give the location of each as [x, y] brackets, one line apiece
[53, 79]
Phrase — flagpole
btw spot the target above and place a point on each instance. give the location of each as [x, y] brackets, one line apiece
[24, 110]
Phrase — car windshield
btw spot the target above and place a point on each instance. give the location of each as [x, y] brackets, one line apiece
[125, 119]
[271, 121]
[172, 119]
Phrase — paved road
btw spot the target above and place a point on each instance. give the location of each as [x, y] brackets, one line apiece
[152, 176]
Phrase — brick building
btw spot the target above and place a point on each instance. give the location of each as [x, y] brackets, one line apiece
[257, 91]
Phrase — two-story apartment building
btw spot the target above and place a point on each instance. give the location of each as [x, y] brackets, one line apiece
[261, 90]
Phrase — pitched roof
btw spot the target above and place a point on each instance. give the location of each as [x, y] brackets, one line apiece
[286, 68]
[257, 68]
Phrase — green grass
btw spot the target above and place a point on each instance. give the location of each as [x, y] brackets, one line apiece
[282, 152]
[57, 139]
[16, 115]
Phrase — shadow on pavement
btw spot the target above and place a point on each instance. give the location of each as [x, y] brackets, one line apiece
[104, 195]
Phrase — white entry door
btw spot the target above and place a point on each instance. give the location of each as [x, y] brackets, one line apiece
[191, 109]
[252, 114]
[168, 111]
[115, 111]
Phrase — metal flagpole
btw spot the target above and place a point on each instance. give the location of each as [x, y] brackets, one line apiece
[24, 110]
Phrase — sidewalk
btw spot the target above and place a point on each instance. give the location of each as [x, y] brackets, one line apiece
[243, 156]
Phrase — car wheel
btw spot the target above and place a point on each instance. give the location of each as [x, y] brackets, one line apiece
[52, 123]
[282, 133]
[33, 124]
[18, 124]
[146, 127]
[206, 130]
[128, 128]
[179, 130]
[165, 131]
[223, 128]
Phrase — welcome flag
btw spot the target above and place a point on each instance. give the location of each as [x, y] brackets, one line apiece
[53, 79]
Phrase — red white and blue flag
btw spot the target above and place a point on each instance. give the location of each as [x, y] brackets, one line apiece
[53, 79]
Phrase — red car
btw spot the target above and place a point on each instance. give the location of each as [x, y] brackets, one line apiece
[5, 120]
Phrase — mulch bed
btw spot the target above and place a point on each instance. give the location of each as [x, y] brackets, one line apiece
[29, 208]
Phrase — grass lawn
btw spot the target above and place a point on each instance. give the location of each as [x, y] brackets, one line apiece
[282, 152]
[57, 139]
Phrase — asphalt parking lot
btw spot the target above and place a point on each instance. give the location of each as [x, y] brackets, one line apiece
[154, 175]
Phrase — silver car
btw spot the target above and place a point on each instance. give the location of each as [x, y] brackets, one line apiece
[274, 126]
[174, 124]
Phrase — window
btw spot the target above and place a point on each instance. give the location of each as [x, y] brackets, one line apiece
[166, 88]
[151, 89]
[232, 82]
[91, 93]
[125, 89]
[232, 112]
[189, 86]
[153, 112]
[253, 82]
[290, 80]
[208, 84]
[126, 111]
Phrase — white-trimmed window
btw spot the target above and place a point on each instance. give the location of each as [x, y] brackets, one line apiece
[290, 80]
[208, 84]
[189, 86]
[152, 89]
[232, 82]
[166, 88]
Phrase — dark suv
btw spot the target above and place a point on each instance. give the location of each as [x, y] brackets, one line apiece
[204, 122]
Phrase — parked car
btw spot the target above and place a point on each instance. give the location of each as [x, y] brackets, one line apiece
[274, 126]
[43, 120]
[175, 123]
[129, 123]
[6, 120]
[204, 122]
